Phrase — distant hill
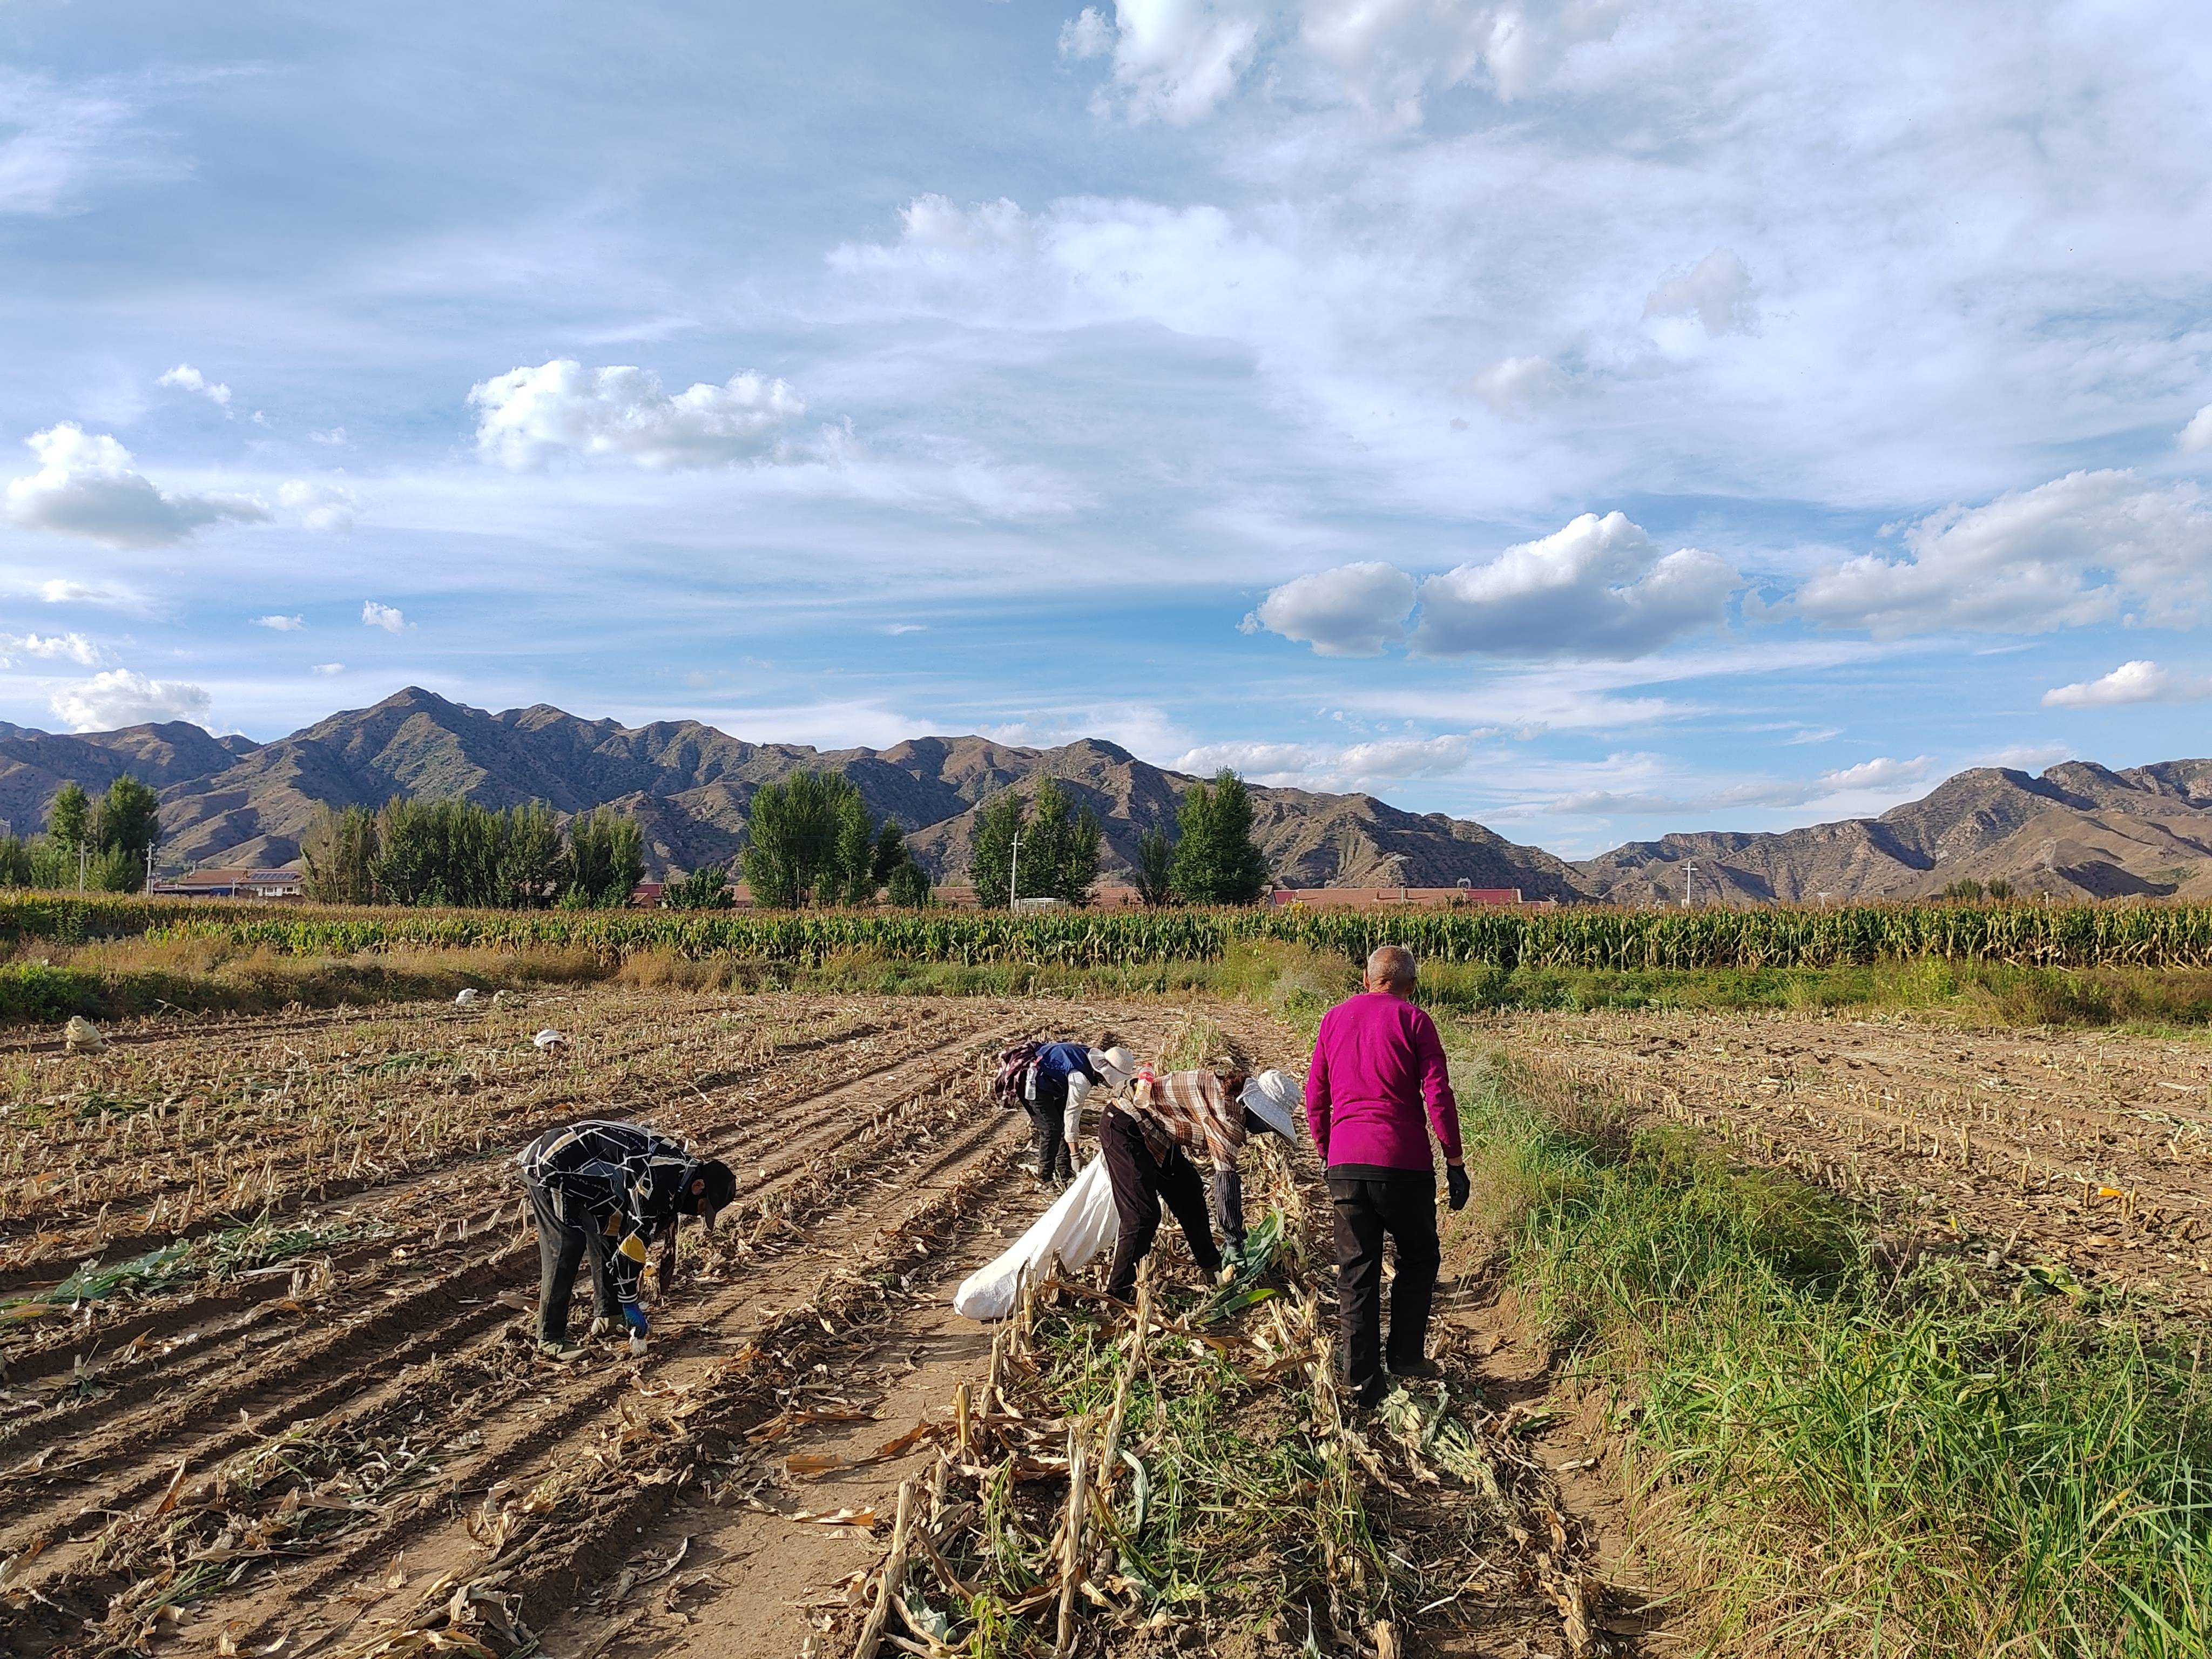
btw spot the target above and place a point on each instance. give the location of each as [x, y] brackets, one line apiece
[226, 800]
[2078, 829]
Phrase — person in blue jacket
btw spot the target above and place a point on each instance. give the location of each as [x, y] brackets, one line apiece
[1060, 1077]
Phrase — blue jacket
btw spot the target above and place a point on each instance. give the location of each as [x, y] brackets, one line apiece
[1056, 1062]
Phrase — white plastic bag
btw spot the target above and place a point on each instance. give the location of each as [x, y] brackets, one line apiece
[1079, 1226]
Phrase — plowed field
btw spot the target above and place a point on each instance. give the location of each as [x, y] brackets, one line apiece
[323, 1428]
[2084, 1158]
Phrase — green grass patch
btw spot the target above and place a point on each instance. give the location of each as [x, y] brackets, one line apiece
[1863, 1460]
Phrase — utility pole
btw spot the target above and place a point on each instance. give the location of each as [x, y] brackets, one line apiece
[1689, 876]
[83, 850]
[1014, 877]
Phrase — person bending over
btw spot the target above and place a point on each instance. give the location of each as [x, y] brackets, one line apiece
[603, 1191]
[1148, 1145]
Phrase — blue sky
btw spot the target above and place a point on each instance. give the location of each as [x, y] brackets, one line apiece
[1594, 417]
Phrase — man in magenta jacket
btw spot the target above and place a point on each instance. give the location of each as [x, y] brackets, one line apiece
[1377, 1064]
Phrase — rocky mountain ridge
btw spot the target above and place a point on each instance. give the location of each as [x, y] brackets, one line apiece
[2078, 829]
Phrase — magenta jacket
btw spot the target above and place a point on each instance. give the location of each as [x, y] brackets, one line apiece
[1377, 1062]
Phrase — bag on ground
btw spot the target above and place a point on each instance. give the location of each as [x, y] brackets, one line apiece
[1073, 1230]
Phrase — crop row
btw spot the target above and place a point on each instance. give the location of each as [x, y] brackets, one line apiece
[2062, 936]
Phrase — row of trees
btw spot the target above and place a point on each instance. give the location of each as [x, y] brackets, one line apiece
[1203, 855]
[105, 845]
[455, 851]
[812, 840]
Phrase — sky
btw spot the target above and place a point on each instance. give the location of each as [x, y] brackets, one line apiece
[1593, 417]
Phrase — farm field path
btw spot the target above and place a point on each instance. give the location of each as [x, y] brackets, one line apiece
[2088, 1153]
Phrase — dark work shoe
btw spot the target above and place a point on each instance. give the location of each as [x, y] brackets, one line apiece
[1420, 1369]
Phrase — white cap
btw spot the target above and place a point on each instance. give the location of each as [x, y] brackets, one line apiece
[1273, 1098]
[1116, 1064]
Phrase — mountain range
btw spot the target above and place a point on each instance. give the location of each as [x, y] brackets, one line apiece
[2078, 829]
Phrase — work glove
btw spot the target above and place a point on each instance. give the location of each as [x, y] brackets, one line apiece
[634, 1316]
[1455, 1185]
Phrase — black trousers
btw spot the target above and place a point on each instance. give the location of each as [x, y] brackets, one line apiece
[1367, 1211]
[1048, 1135]
[1140, 1187]
[562, 1248]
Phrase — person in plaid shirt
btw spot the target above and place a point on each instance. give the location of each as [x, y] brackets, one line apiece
[1149, 1144]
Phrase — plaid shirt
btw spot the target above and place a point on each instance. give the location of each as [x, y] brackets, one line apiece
[1194, 1112]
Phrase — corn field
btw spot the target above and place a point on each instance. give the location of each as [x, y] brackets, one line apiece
[2053, 936]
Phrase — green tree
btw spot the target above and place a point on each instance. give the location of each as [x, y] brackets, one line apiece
[15, 861]
[528, 857]
[605, 861]
[908, 886]
[991, 853]
[121, 831]
[794, 831]
[1217, 862]
[1155, 869]
[337, 857]
[889, 852]
[1064, 840]
[68, 821]
[455, 851]
[706, 888]
[854, 879]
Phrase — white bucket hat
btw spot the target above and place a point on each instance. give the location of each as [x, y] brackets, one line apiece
[1116, 1064]
[1273, 1098]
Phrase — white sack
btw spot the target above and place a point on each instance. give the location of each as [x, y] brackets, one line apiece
[1079, 1226]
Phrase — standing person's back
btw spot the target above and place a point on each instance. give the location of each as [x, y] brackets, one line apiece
[1378, 1084]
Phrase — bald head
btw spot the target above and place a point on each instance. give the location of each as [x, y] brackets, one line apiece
[1391, 967]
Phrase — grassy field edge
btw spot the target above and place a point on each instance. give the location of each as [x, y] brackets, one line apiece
[1842, 1451]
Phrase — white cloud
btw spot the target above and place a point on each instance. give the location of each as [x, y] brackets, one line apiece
[531, 416]
[281, 624]
[2082, 548]
[2139, 681]
[937, 223]
[336, 436]
[1353, 611]
[185, 378]
[2197, 435]
[109, 596]
[121, 697]
[1355, 766]
[52, 648]
[85, 486]
[326, 507]
[1857, 788]
[329, 668]
[1178, 61]
[1598, 587]
[1717, 291]
[1518, 386]
[385, 616]
[1880, 773]
[61, 139]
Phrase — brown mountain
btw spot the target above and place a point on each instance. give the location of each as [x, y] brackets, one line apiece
[2079, 830]
[228, 801]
